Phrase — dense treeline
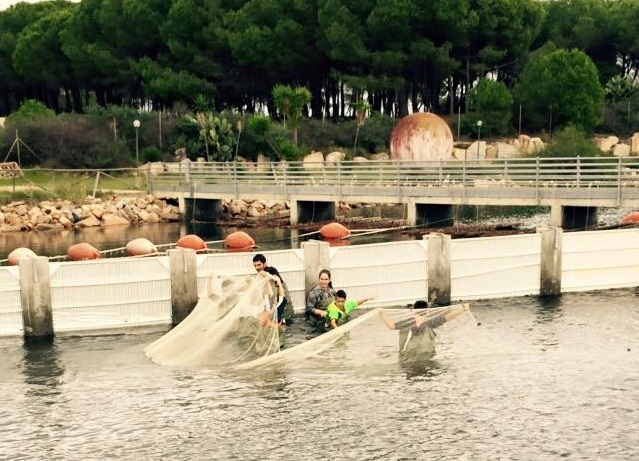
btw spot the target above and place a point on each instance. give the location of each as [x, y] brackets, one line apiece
[402, 54]
[551, 60]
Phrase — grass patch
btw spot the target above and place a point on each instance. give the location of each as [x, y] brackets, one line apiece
[38, 185]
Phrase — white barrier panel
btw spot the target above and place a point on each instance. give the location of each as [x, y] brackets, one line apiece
[289, 263]
[10, 306]
[495, 267]
[600, 259]
[396, 272]
[110, 293]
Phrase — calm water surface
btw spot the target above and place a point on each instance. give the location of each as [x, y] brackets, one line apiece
[536, 380]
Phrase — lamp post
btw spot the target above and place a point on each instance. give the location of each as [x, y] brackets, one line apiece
[136, 125]
[479, 124]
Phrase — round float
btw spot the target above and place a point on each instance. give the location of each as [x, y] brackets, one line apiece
[191, 241]
[82, 251]
[20, 253]
[334, 231]
[421, 136]
[140, 247]
[239, 240]
[631, 218]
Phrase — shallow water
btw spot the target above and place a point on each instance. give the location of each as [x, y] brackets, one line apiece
[269, 237]
[536, 380]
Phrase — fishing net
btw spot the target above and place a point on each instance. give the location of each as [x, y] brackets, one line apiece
[235, 325]
[236, 321]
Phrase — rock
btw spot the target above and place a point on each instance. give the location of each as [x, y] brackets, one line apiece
[621, 150]
[109, 219]
[380, 156]
[313, 161]
[91, 221]
[606, 144]
[334, 158]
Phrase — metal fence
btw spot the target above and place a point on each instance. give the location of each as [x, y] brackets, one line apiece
[535, 172]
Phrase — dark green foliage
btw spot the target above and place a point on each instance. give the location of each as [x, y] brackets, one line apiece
[151, 154]
[71, 141]
[558, 88]
[492, 103]
[570, 142]
[30, 109]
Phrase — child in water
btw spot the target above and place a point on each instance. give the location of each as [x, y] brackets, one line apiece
[339, 310]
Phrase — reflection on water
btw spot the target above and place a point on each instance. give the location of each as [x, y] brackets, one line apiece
[490, 392]
[549, 309]
[42, 367]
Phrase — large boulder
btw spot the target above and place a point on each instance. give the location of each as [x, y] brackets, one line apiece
[421, 136]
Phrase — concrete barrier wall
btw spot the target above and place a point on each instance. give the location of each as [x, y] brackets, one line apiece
[10, 306]
[396, 271]
[600, 259]
[129, 292]
[289, 263]
[495, 267]
[110, 293]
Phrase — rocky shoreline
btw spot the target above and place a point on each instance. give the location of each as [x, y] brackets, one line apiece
[50, 215]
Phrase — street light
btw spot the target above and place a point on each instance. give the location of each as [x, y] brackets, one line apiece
[479, 124]
[136, 125]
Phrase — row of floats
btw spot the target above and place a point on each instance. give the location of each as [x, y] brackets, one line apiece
[235, 241]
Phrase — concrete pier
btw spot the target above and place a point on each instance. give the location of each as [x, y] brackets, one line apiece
[439, 278]
[551, 250]
[316, 257]
[184, 296]
[35, 297]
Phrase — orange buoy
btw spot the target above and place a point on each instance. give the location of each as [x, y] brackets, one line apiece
[191, 241]
[82, 251]
[140, 247]
[631, 218]
[334, 230]
[20, 253]
[239, 240]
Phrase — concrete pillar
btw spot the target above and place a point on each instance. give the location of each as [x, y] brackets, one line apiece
[556, 214]
[439, 280]
[313, 211]
[411, 212]
[35, 297]
[316, 257]
[294, 212]
[550, 274]
[183, 269]
[580, 217]
[182, 206]
[430, 215]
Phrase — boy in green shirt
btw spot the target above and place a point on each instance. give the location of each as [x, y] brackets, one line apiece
[339, 310]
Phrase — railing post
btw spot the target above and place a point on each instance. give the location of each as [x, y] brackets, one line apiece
[619, 182]
[237, 186]
[537, 181]
[399, 187]
[339, 179]
[578, 171]
[464, 180]
[284, 175]
[505, 170]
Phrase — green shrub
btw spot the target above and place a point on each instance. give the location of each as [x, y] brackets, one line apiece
[31, 109]
[570, 142]
[151, 154]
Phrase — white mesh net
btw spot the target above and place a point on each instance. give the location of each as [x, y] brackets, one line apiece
[236, 326]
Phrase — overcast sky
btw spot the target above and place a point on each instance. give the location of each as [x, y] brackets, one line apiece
[4, 4]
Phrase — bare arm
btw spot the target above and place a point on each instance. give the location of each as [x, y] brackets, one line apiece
[363, 300]
[386, 320]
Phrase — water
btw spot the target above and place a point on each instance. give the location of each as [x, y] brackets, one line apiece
[268, 237]
[536, 380]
